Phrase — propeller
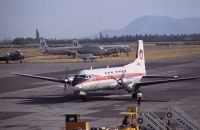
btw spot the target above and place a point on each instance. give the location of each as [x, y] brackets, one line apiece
[126, 82]
[68, 81]
[65, 89]
[119, 81]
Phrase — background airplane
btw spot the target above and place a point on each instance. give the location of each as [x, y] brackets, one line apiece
[86, 49]
[57, 50]
[127, 77]
[86, 57]
[13, 56]
[105, 50]
[116, 49]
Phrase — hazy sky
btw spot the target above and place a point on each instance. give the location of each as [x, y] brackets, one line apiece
[78, 18]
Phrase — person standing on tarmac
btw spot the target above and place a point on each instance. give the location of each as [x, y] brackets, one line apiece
[125, 121]
[139, 97]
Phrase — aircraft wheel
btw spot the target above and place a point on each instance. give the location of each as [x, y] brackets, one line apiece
[134, 95]
[20, 61]
[84, 98]
[7, 61]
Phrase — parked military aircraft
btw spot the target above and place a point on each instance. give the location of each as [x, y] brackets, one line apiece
[116, 49]
[86, 57]
[127, 77]
[13, 56]
[86, 49]
[57, 50]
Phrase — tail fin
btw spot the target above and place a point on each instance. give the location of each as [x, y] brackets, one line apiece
[43, 45]
[76, 53]
[75, 43]
[140, 51]
[139, 63]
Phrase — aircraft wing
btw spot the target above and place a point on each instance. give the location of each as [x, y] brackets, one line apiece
[3, 58]
[164, 81]
[41, 77]
[159, 76]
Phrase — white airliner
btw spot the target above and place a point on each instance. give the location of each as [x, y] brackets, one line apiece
[127, 77]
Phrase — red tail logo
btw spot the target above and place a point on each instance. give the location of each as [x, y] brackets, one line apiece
[141, 54]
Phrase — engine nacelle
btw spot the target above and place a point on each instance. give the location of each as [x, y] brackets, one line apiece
[69, 79]
[127, 80]
[128, 84]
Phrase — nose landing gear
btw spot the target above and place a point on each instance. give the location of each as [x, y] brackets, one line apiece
[83, 96]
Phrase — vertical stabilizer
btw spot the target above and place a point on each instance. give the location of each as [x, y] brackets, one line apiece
[140, 51]
[75, 43]
[43, 45]
[139, 64]
[140, 60]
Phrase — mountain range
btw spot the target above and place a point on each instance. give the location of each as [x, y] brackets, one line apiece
[156, 25]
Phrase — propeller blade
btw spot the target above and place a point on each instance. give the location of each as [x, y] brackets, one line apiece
[119, 81]
[65, 89]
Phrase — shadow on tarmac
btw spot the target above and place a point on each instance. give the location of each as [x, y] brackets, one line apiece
[54, 99]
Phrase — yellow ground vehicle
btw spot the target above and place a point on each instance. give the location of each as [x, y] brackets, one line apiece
[132, 114]
[73, 122]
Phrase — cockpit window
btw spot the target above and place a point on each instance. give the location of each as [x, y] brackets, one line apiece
[76, 76]
[82, 76]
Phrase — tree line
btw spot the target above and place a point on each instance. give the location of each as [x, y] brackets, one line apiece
[114, 39]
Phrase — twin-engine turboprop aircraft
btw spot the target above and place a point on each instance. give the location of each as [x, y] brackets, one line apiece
[127, 77]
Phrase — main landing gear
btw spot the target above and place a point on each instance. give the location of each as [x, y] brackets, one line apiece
[135, 95]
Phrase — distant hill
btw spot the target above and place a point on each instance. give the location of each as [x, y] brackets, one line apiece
[157, 25]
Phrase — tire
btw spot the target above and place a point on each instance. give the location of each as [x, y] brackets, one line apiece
[84, 98]
[140, 120]
[169, 115]
[134, 95]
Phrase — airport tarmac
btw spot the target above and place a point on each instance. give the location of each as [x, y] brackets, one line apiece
[31, 104]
